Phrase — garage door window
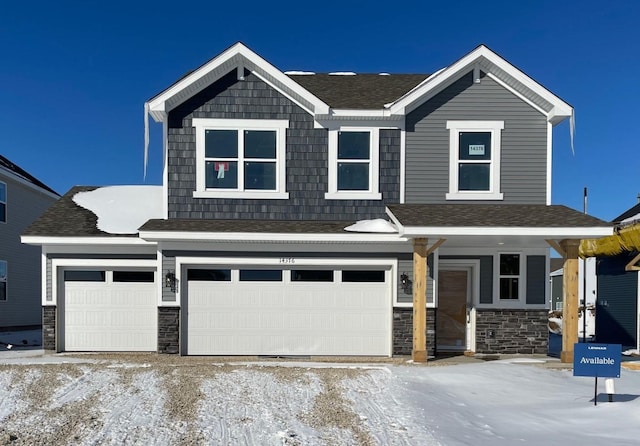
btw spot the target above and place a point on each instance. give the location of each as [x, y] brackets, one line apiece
[309, 275]
[84, 276]
[209, 275]
[260, 275]
[133, 276]
[363, 276]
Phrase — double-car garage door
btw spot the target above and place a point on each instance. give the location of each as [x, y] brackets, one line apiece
[287, 311]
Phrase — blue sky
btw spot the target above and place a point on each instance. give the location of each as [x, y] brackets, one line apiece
[74, 75]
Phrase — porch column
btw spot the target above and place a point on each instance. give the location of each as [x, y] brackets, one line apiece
[419, 351]
[569, 299]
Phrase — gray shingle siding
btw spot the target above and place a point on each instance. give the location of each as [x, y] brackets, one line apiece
[306, 159]
[524, 141]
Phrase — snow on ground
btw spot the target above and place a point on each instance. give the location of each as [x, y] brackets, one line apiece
[167, 400]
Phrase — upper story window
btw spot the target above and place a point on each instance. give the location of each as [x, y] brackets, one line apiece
[3, 280]
[240, 158]
[3, 202]
[354, 164]
[474, 160]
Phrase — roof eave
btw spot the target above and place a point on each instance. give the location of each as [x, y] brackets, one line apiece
[480, 231]
[483, 58]
[237, 56]
[352, 237]
[45, 240]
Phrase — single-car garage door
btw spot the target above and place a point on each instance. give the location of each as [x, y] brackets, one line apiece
[253, 311]
[107, 310]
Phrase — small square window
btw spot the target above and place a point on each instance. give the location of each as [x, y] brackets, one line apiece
[260, 144]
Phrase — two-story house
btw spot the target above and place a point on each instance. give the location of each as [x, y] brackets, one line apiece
[324, 214]
[22, 199]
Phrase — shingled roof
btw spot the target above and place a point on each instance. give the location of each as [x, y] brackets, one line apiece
[493, 215]
[65, 218]
[359, 91]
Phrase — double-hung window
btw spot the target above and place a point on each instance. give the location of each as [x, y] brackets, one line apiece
[509, 279]
[3, 202]
[474, 160]
[240, 158]
[353, 164]
[3, 280]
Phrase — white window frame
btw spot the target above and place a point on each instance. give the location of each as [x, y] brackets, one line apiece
[522, 279]
[373, 192]
[4, 279]
[3, 185]
[240, 125]
[493, 127]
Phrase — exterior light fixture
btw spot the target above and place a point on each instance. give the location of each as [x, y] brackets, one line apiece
[406, 283]
[170, 281]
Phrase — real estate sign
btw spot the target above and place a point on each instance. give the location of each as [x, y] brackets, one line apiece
[598, 360]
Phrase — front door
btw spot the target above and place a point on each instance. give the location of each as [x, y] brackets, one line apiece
[451, 317]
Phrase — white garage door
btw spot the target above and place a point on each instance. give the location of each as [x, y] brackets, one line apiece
[288, 312]
[109, 311]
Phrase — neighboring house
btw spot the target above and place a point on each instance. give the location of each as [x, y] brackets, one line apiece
[22, 199]
[305, 214]
[618, 305]
[585, 278]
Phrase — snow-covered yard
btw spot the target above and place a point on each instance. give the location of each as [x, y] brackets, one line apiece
[169, 400]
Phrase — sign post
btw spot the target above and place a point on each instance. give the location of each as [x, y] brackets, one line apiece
[597, 360]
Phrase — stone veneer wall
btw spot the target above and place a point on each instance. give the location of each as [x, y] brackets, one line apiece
[169, 330]
[512, 331]
[49, 328]
[403, 331]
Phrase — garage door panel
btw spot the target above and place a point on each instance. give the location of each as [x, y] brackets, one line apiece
[107, 316]
[287, 318]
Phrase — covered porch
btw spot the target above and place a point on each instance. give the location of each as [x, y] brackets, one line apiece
[509, 233]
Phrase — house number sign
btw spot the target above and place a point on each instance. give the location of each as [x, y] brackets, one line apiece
[476, 149]
[287, 260]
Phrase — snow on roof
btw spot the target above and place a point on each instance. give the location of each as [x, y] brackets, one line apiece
[122, 209]
[342, 73]
[299, 73]
[377, 225]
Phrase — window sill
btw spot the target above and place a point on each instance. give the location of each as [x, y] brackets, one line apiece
[474, 196]
[352, 195]
[256, 195]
